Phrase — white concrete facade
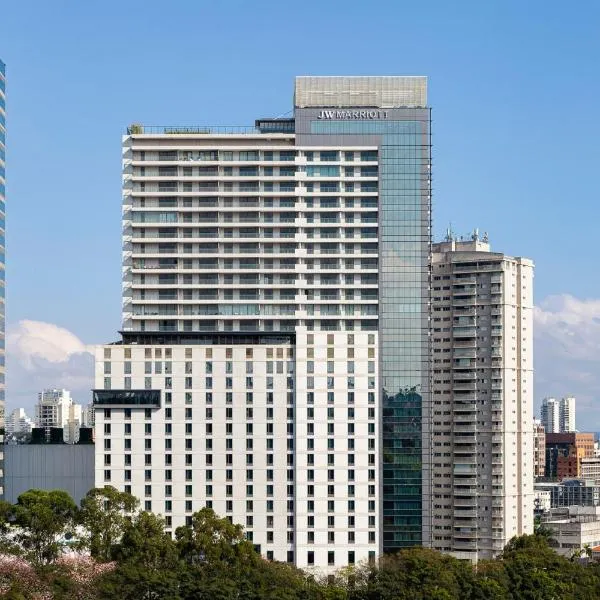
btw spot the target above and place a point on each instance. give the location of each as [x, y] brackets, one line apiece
[482, 409]
[270, 435]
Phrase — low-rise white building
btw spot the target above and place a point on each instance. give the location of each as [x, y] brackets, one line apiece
[573, 528]
[590, 469]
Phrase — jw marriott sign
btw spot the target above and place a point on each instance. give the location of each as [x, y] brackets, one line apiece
[352, 114]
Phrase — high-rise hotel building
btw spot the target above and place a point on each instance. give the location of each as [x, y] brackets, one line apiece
[481, 412]
[274, 361]
[2, 260]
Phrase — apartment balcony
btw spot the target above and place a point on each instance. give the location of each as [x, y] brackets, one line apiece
[465, 532]
[469, 502]
[464, 280]
[462, 482]
[464, 514]
[465, 429]
[466, 470]
[462, 545]
[463, 386]
[468, 312]
[464, 302]
[465, 490]
[477, 268]
[469, 343]
[464, 330]
[465, 419]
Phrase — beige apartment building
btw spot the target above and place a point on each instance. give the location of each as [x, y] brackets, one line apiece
[482, 404]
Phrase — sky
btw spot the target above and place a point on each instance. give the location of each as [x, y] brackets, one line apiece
[514, 88]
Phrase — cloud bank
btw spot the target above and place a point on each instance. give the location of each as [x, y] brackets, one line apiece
[567, 354]
[42, 355]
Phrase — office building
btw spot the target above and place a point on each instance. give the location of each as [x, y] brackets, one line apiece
[18, 422]
[571, 492]
[539, 449]
[550, 415]
[567, 414]
[564, 453]
[274, 361]
[482, 410]
[2, 259]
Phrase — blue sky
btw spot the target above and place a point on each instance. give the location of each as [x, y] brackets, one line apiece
[514, 88]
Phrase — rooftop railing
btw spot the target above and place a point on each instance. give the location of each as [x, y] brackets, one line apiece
[137, 129]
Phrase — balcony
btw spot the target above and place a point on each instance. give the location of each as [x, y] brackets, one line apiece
[465, 514]
[464, 386]
[464, 330]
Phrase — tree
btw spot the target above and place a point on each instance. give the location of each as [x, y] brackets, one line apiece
[211, 539]
[43, 517]
[147, 562]
[104, 515]
[217, 558]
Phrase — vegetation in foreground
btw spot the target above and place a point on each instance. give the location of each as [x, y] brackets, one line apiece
[108, 549]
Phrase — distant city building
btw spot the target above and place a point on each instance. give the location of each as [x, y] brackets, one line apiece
[575, 492]
[590, 468]
[539, 449]
[52, 409]
[18, 422]
[482, 343]
[550, 415]
[567, 414]
[56, 409]
[89, 416]
[558, 416]
[564, 452]
[573, 528]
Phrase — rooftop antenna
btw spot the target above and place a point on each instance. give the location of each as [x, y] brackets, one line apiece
[449, 234]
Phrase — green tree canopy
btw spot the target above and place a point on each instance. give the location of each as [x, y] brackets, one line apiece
[43, 518]
[104, 515]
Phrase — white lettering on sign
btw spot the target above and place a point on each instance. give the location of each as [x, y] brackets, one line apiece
[352, 114]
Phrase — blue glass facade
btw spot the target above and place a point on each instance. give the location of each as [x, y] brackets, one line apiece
[404, 156]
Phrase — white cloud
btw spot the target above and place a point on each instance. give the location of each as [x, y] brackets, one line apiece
[567, 354]
[41, 355]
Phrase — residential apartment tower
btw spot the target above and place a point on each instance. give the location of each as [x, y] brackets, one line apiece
[481, 414]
